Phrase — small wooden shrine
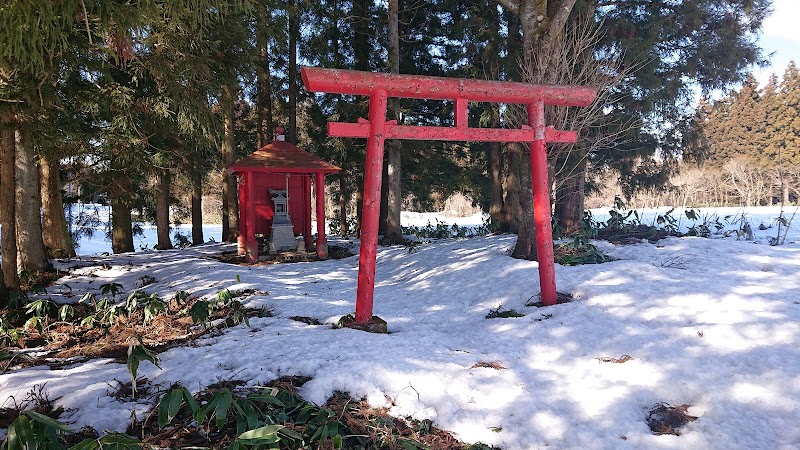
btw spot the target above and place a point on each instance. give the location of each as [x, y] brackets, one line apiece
[275, 199]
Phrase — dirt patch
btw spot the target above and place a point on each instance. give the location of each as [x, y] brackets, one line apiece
[633, 234]
[611, 359]
[31, 281]
[83, 336]
[667, 419]
[339, 252]
[380, 430]
[114, 342]
[306, 320]
[561, 297]
[496, 365]
[36, 400]
[334, 252]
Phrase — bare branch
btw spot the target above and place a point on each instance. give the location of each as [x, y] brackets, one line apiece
[571, 59]
[86, 21]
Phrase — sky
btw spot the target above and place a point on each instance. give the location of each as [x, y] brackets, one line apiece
[781, 37]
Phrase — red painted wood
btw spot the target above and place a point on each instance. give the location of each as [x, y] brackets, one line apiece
[307, 204]
[351, 82]
[250, 242]
[240, 240]
[424, 133]
[541, 205]
[461, 117]
[322, 243]
[373, 170]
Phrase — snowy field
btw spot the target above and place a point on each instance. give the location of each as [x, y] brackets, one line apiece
[713, 323]
[730, 217]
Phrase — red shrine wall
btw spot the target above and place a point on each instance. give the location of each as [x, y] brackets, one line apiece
[299, 202]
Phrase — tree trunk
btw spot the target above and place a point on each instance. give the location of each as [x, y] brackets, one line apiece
[512, 208]
[538, 35]
[263, 86]
[394, 197]
[197, 208]
[162, 209]
[494, 150]
[526, 234]
[344, 197]
[226, 227]
[8, 227]
[56, 235]
[230, 208]
[496, 196]
[32, 256]
[359, 205]
[4, 298]
[294, 34]
[121, 222]
[570, 198]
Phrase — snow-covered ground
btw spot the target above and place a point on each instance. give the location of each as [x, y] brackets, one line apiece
[714, 323]
[731, 217]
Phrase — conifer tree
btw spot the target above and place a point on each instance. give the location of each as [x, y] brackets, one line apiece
[784, 145]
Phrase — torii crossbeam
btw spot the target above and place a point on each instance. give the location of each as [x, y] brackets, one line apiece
[380, 86]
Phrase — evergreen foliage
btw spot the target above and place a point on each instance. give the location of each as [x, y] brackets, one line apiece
[754, 133]
[127, 97]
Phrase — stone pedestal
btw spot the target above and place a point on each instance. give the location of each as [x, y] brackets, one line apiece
[282, 237]
[373, 325]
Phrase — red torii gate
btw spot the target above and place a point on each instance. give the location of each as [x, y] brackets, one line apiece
[380, 86]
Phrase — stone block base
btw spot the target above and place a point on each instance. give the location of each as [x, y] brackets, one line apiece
[374, 325]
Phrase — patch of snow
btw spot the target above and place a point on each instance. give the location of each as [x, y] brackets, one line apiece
[721, 333]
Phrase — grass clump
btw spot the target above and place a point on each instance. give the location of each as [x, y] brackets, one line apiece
[500, 313]
[266, 417]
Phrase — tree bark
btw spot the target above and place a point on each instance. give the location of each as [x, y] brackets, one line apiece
[495, 157]
[394, 196]
[4, 298]
[31, 256]
[8, 227]
[226, 227]
[344, 198]
[197, 208]
[541, 26]
[570, 198]
[511, 204]
[359, 205]
[162, 209]
[512, 208]
[121, 221]
[526, 234]
[230, 207]
[496, 188]
[263, 86]
[56, 235]
[294, 33]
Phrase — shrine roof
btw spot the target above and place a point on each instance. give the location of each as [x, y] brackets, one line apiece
[282, 157]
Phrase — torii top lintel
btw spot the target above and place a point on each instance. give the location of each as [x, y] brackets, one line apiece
[338, 81]
[461, 91]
